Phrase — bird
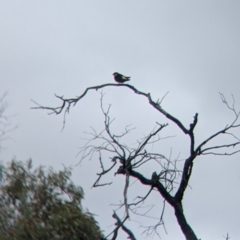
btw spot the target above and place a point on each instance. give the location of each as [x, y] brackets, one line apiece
[120, 78]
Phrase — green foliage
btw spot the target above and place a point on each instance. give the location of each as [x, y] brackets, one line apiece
[42, 204]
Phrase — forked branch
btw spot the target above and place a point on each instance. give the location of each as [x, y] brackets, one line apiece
[129, 160]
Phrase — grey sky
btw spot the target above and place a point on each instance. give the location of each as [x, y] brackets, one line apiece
[189, 48]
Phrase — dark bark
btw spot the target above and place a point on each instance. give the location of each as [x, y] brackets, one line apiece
[126, 155]
[174, 202]
[186, 229]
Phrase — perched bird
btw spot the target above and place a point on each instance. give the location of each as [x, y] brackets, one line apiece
[120, 78]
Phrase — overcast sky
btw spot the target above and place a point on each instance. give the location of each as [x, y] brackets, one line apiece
[190, 49]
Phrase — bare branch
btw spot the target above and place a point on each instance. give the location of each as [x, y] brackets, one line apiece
[152, 230]
[68, 103]
[141, 198]
[166, 179]
[157, 185]
[223, 131]
[125, 194]
[227, 237]
[232, 108]
[107, 128]
[96, 183]
[125, 229]
[222, 154]
[143, 144]
[220, 147]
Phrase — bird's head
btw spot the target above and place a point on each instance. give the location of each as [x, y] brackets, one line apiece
[115, 74]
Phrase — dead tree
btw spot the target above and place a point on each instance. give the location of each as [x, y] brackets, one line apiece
[128, 159]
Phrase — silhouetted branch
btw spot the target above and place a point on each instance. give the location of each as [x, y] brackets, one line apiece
[227, 237]
[67, 103]
[152, 230]
[130, 159]
[141, 198]
[96, 183]
[125, 229]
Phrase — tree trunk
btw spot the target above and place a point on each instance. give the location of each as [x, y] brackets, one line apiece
[186, 229]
